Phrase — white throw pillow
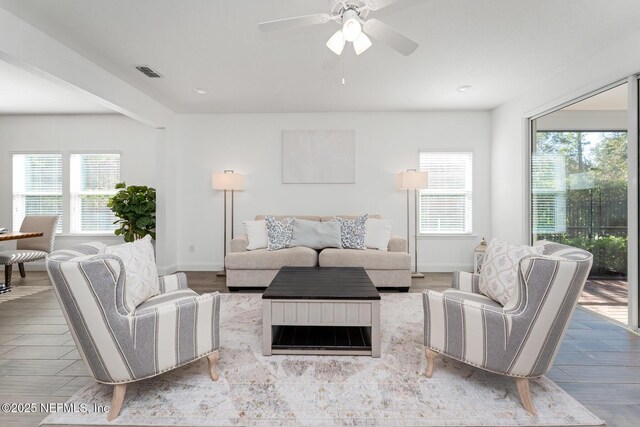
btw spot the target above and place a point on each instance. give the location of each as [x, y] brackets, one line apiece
[499, 275]
[377, 234]
[256, 234]
[140, 267]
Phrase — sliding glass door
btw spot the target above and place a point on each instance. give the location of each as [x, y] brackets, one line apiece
[579, 191]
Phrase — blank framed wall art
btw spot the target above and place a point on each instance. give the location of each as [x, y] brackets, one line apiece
[318, 157]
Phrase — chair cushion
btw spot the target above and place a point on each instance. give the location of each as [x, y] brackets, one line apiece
[263, 259]
[372, 259]
[20, 256]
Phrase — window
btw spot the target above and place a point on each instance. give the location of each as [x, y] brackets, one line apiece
[93, 178]
[37, 186]
[446, 206]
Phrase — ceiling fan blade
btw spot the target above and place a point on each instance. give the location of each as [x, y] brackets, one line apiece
[387, 35]
[379, 4]
[297, 22]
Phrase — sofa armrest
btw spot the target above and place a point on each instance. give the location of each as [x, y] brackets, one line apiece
[239, 244]
[465, 281]
[397, 244]
[173, 282]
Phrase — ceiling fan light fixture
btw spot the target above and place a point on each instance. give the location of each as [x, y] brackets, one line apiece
[336, 42]
[351, 27]
[361, 44]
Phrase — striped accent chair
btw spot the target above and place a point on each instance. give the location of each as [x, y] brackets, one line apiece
[33, 248]
[521, 339]
[119, 345]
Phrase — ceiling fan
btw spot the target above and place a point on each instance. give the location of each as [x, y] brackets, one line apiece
[351, 15]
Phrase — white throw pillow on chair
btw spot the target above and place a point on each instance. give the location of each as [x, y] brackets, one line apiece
[140, 267]
[499, 275]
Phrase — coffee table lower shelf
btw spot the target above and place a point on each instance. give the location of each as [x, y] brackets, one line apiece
[345, 340]
[338, 327]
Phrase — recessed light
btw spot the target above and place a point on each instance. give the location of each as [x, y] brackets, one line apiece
[465, 88]
[199, 90]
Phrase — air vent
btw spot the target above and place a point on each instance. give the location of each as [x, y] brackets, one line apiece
[147, 71]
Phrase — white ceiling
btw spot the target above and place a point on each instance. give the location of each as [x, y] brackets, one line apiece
[500, 47]
[22, 92]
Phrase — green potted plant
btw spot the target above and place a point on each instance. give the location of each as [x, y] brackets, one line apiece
[135, 206]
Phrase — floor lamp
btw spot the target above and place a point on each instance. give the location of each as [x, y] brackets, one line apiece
[227, 181]
[413, 180]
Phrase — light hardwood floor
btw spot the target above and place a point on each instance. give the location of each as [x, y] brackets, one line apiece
[598, 364]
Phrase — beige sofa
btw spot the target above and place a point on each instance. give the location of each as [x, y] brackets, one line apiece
[258, 267]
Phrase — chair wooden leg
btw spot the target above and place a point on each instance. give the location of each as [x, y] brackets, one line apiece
[119, 391]
[8, 268]
[525, 395]
[431, 356]
[21, 268]
[213, 362]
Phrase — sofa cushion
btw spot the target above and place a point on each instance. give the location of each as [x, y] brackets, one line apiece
[263, 259]
[372, 259]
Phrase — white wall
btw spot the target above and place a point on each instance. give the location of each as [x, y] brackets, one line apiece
[508, 126]
[386, 143]
[137, 143]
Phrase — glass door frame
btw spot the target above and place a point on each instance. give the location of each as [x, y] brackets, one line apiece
[633, 196]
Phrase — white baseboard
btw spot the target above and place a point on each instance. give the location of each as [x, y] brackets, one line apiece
[199, 266]
[443, 267]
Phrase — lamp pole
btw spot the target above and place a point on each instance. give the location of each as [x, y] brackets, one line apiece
[227, 181]
[413, 180]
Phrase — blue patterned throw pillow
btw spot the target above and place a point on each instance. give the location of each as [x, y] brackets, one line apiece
[352, 232]
[279, 233]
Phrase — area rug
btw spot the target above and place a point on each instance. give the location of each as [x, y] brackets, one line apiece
[22, 291]
[328, 390]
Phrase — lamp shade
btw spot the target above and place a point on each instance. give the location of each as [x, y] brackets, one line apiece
[412, 180]
[227, 181]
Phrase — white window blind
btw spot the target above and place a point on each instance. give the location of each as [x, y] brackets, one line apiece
[446, 205]
[548, 194]
[93, 178]
[37, 186]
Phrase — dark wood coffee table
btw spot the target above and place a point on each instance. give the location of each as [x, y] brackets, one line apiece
[321, 310]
